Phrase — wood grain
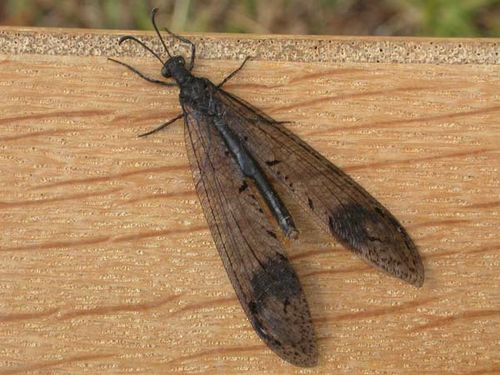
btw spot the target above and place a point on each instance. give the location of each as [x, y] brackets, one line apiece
[106, 261]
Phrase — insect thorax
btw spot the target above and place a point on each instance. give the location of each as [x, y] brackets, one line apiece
[198, 93]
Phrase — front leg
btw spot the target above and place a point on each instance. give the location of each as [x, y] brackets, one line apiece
[233, 73]
[185, 40]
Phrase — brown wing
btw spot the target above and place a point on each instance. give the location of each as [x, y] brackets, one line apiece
[265, 282]
[341, 205]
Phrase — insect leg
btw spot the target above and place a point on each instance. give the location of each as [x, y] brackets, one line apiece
[152, 80]
[162, 126]
[233, 73]
[193, 48]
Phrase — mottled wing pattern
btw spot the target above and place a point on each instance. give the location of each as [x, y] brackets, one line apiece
[342, 206]
[263, 278]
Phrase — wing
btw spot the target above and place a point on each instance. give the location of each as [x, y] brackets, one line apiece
[340, 204]
[263, 278]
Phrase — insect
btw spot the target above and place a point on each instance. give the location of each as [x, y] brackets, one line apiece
[234, 150]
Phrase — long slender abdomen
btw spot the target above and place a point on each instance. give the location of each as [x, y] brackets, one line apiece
[251, 169]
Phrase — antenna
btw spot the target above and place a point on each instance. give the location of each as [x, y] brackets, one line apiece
[153, 21]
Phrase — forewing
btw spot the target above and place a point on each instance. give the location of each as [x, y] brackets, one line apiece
[263, 278]
[340, 204]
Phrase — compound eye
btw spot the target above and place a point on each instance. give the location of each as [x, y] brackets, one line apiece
[164, 71]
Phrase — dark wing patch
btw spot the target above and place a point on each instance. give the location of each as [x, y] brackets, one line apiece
[340, 204]
[263, 278]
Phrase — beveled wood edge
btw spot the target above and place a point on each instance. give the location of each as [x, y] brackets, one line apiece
[293, 48]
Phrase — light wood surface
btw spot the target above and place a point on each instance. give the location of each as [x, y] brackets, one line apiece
[106, 261]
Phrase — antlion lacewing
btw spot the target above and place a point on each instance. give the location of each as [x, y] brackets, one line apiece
[234, 151]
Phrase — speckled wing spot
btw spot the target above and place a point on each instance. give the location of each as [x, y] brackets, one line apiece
[365, 231]
[278, 316]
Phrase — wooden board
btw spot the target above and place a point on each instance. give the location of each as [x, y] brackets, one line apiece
[106, 261]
